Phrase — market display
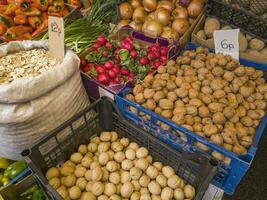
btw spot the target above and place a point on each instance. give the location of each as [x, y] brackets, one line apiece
[34, 192]
[10, 170]
[18, 65]
[116, 168]
[161, 18]
[247, 44]
[23, 20]
[210, 94]
[115, 62]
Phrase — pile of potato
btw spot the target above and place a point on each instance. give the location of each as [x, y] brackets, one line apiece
[247, 44]
[109, 168]
[210, 94]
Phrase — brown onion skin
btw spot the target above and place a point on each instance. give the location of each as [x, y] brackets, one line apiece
[123, 22]
[136, 25]
[163, 16]
[150, 5]
[135, 3]
[179, 12]
[180, 25]
[169, 33]
[195, 8]
[154, 27]
[126, 10]
[166, 4]
[139, 14]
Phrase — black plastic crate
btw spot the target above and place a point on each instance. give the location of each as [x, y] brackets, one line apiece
[195, 168]
[239, 16]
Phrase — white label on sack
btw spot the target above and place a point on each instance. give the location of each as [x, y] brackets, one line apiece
[56, 37]
[226, 42]
[104, 92]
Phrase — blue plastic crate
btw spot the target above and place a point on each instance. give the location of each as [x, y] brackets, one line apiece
[229, 175]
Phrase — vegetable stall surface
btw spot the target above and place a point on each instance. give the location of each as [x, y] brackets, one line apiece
[116, 62]
[168, 19]
[210, 94]
[24, 64]
[116, 168]
[24, 19]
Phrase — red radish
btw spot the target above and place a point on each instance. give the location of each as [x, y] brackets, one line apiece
[112, 74]
[101, 69]
[157, 54]
[112, 82]
[143, 61]
[101, 40]
[117, 51]
[133, 54]
[126, 45]
[109, 45]
[129, 39]
[152, 56]
[116, 69]
[117, 58]
[163, 59]
[125, 71]
[164, 51]
[103, 78]
[83, 62]
[96, 46]
[132, 79]
[131, 74]
[86, 69]
[105, 53]
[108, 64]
[117, 80]
[155, 47]
[157, 64]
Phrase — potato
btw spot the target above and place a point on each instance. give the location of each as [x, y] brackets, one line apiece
[81, 183]
[172, 96]
[246, 141]
[243, 43]
[201, 35]
[75, 192]
[63, 192]
[144, 180]
[197, 64]
[166, 104]
[53, 172]
[210, 129]
[203, 111]
[148, 93]
[137, 89]
[168, 171]
[218, 94]
[218, 118]
[139, 98]
[211, 24]
[195, 102]
[149, 79]
[216, 107]
[238, 149]
[246, 121]
[67, 170]
[98, 188]
[178, 119]
[197, 127]
[191, 110]
[189, 120]
[162, 69]
[171, 85]
[158, 96]
[167, 114]
[88, 195]
[55, 182]
[166, 193]
[79, 171]
[206, 90]
[256, 44]
[217, 139]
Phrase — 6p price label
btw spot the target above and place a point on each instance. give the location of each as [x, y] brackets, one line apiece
[226, 42]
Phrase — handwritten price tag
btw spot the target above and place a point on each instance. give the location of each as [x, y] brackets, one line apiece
[56, 37]
[226, 42]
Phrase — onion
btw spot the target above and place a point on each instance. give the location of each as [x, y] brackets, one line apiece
[135, 3]
[168, 5]
[179, 12]
[180, 25]
[126, 11]
[150, 5]
[136, 25]
[183, 3]
[154, 27]
[195, 8]
[144, 27]
[169, 33]
[163, 16]
[123, 22]
[191, 20]
[139, 14]
[151, 16]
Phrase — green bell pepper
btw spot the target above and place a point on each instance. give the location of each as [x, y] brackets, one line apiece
[15, 169]
[30, 190]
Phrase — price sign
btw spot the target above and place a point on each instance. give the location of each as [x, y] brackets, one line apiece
[56, 37]
[226, 42]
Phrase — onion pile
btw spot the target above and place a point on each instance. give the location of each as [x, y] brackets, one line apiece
[168, 19]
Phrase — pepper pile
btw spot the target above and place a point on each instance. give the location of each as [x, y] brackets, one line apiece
[26, 19]
[115, 62]
[34, 192]
[10, 171]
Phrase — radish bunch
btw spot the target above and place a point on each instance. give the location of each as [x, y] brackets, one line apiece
[116, 62]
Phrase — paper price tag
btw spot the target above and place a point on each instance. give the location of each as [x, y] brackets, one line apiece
[56, 37]
[226, 42]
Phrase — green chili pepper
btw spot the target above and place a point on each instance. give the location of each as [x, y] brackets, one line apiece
[8, 23]
[15, 168]
[30, 190]
[38, 195]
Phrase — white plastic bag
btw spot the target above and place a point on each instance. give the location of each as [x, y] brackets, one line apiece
[32, 107]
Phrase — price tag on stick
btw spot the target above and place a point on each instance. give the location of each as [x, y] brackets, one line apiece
[56, 37]
[226, 42]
